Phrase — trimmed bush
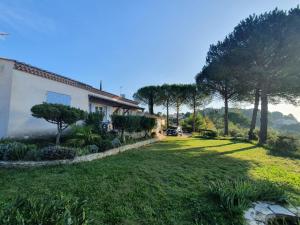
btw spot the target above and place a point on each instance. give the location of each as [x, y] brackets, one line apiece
[133, 123]
[147, 123]
[57, 152]
[47, 210]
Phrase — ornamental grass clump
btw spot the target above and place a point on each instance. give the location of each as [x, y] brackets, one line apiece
[47, 210]
[235, 196]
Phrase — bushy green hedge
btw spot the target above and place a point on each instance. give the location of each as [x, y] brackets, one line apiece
[133, 123]
[283, 145]
[14, 151]
[48, 210]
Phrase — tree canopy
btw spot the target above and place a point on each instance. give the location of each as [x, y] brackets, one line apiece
[148, 95]
[61, 115]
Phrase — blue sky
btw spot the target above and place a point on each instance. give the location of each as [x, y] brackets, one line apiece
[125, 44]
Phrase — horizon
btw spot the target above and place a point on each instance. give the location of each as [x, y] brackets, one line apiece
[125, 45]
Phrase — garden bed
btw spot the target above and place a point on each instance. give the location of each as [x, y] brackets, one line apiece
[84, 158]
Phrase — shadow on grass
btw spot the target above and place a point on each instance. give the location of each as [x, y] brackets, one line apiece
[161, 185]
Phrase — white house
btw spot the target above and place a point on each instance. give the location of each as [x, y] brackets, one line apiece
[23, 86]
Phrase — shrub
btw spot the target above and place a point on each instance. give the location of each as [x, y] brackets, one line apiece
[92, 148]
[284, 144]
[82, 136]
[104, 145]
[47, 210]
[116, 142]
[147, 123]
[95, 121]
[57, 152]
[236, 196]
[210, 134]
[15, 151]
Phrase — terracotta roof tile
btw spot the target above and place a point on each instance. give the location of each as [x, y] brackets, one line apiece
[56, 77]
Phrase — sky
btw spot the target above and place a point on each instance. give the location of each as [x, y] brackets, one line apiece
[126, 44]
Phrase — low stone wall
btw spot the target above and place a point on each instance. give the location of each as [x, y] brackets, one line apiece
[84, 158]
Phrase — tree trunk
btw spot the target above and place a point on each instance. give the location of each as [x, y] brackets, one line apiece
[59, 131]
[194, 115]
[177, 113]
[167, 114]
[264, 117]
[254, 115]
[226, 117]
[151, 111]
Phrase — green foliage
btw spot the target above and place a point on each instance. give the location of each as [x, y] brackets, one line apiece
[47, 210]
[239, 118]
[60, 115]
[116, 142]
[94, 120]
[105, 145]
[92, 148]
[82, 136]
[156, 183]
[57, 152]
[132, 123]
[148, 95]
[237, 195]
[200, 123]
[284, 145]
[14, 151]
[147, 123]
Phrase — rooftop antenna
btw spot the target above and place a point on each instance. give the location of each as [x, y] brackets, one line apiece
[100, 85]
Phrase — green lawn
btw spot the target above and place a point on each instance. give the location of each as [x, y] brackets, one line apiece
[157, 184]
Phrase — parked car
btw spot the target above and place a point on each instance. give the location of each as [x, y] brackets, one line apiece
[175, 131]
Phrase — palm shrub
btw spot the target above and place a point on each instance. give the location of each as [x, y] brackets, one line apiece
[47, 210]
[82, 136]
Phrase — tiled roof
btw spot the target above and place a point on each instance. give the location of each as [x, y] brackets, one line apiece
[62, 79]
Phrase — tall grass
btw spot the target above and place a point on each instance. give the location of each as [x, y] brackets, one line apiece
[48, 210]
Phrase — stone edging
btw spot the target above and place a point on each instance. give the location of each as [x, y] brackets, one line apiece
[261, 212]
[84, 158]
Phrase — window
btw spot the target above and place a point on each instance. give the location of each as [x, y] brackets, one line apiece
[99, 109]
[57, 98]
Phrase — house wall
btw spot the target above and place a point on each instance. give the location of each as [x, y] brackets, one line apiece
[31, 90]
[6, 69]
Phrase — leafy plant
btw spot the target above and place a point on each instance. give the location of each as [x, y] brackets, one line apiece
[92, 148]
[105, 145]
[47, 210]
[94, 120]
[57, 152]
[82, 136]
[15, 151]
[235, 196]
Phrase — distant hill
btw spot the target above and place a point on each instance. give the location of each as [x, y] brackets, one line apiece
[277, 120]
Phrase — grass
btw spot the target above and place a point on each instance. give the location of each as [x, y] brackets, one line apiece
[163, 183]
